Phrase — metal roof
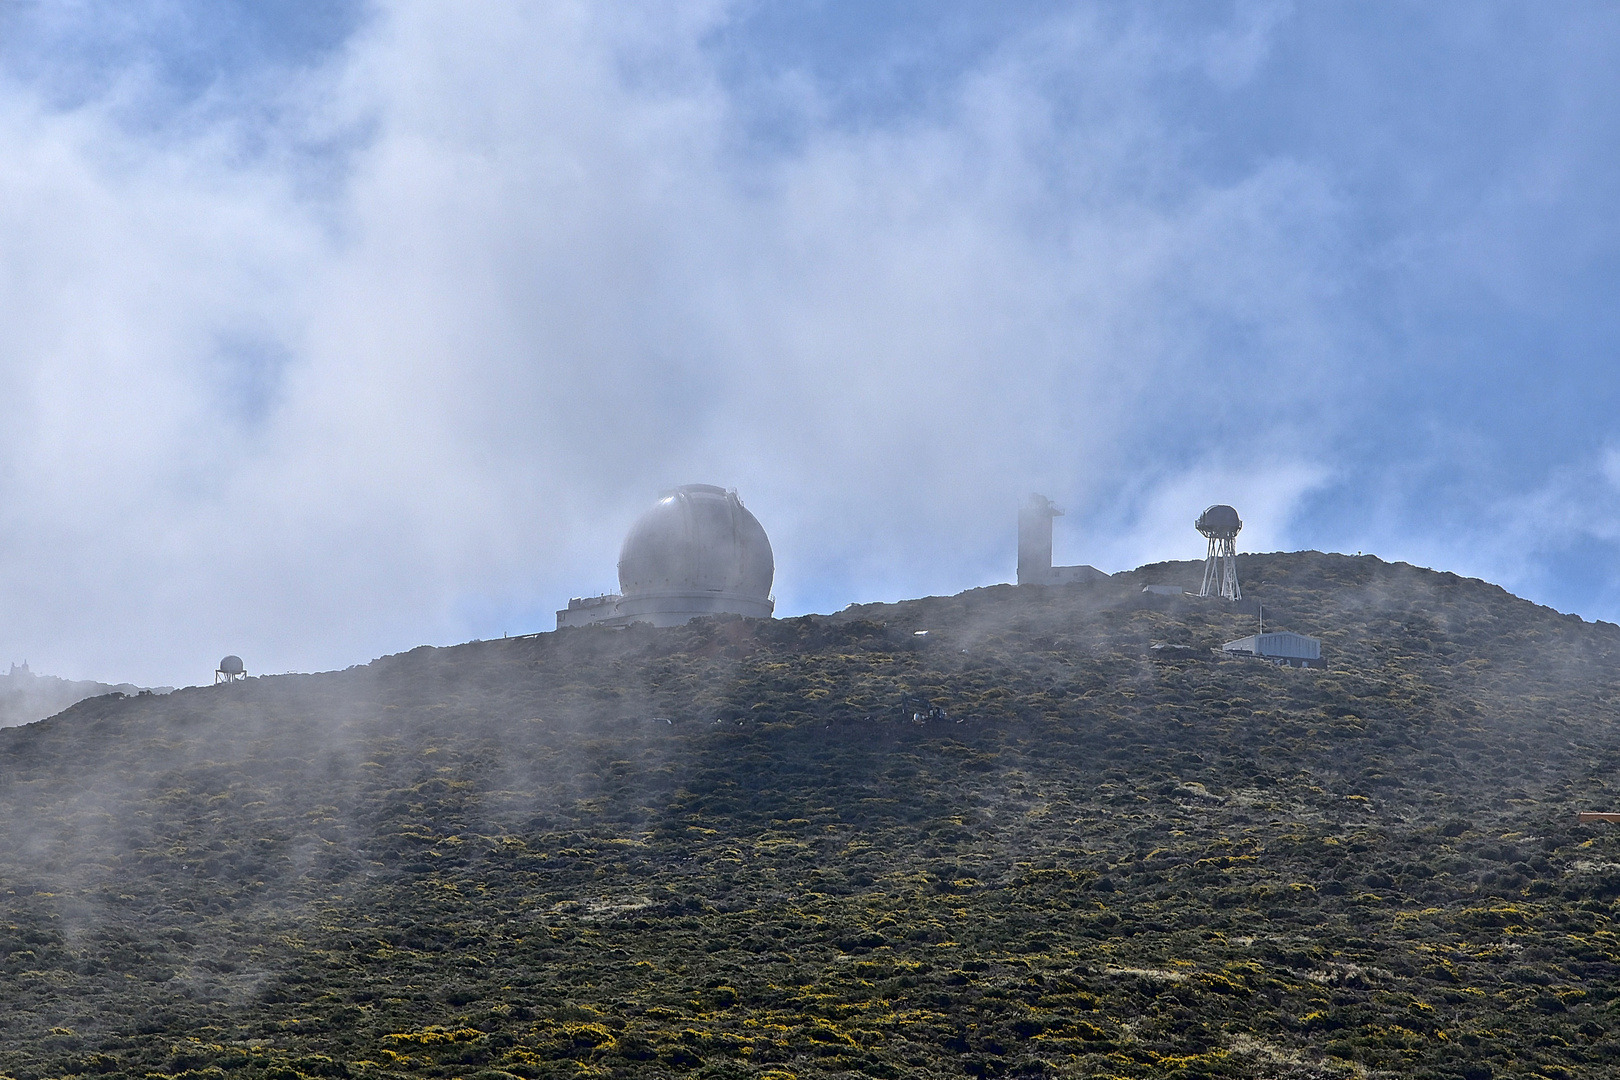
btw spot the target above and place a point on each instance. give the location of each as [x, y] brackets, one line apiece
[1283, 643]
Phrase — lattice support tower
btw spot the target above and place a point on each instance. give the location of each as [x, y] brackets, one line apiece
[1221, 525]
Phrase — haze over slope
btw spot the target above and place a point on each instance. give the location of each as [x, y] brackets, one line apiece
[739, 848]
[26, 697]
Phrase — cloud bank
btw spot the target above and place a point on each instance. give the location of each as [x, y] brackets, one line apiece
[385, 336]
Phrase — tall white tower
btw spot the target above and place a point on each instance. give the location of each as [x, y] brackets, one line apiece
[1035, 548]
[1035, 540]
[1221, 524]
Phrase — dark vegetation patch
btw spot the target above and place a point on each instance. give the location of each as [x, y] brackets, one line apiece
[1023, 844]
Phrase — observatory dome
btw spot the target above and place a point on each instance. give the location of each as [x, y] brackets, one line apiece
[1219, 521]
[698, 551]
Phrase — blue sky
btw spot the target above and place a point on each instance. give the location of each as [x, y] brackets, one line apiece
[335, 329]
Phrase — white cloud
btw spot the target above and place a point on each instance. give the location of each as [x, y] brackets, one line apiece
[310, 422]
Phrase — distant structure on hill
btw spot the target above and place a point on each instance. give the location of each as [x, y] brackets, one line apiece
[698, 551]
[1220, 524]
[26, 697]
[231, 669]
[1289, 649]
[1035, 548]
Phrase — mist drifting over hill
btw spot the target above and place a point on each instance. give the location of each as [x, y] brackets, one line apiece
[26, 696]
[1024, 843]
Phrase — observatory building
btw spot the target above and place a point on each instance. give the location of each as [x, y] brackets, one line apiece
[1035, 548]
[698, 551]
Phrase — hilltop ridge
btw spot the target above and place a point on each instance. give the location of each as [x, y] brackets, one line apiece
[26, 696]
[1023, 843]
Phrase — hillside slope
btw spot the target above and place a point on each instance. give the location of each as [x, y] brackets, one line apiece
[1023, 843]
[26, 697]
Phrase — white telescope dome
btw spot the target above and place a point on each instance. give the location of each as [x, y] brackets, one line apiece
[698, 551]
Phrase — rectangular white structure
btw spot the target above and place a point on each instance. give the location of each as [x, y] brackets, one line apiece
[1285, 647]
[589, 610]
